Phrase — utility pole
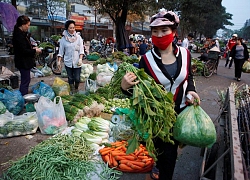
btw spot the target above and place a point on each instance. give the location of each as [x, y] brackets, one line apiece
[95, 28]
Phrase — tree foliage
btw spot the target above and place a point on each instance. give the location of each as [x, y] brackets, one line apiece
[199, 17]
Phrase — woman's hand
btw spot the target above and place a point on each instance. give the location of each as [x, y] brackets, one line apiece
[128, 81]
[38, 50]
[193, 98]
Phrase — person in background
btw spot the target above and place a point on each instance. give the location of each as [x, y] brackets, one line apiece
[23, 52]
[187, 42]
[132, 47]
[170, 65]
[240, 54]
[143, 47]
[231, 42]
[72, 51]
[217, 42]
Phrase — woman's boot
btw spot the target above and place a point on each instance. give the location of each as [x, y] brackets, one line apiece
[76, 87]
[72, 89]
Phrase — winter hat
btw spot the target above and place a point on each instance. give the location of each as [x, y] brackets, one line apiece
[164, 18]
[234, 35]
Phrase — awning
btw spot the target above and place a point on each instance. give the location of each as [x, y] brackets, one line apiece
[40, 22]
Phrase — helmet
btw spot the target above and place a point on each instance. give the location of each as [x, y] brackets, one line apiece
[164, 18]
[234, 35]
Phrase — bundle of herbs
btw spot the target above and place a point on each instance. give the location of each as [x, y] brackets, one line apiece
[153, 109]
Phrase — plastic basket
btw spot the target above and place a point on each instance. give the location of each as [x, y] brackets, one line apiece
[213, 55]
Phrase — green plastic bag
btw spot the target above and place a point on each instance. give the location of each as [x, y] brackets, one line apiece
[2, 108]
[246, 67]
[92, 57]
[195, 128]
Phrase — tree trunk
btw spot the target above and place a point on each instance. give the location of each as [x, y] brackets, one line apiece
[122, 39]
[13, 2]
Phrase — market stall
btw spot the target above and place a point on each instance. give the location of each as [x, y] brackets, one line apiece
[99, 132]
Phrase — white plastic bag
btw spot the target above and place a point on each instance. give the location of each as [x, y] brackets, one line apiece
[51, 115]
[24, 124]
[104, 78]
[90, 85]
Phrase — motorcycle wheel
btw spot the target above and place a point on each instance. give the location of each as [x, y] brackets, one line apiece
[40, 59]
[54, 68]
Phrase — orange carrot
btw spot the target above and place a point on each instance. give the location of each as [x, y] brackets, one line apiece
[133, 166]
[104, 149]
[117, 143]
[143, 153]
[139, 151]
[118, 158]
[125, 167]
[124, 148]
[148, 163]
[118, 148]
[130, 157]
[111, 159]
[118, 153]
[141, 164]
[106, 158]
[143, 157]
[115, 163]
[146, 160]
[105, 152]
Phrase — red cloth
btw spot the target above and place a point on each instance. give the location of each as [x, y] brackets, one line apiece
[110, 40]
[230, 44]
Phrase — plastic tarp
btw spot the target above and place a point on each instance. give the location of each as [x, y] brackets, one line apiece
[9, 15]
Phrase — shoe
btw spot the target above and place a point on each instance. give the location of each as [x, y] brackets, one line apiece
[238, 79]
[154, 173]
[235, 78]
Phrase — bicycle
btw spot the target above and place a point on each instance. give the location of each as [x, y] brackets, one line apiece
[211, 65]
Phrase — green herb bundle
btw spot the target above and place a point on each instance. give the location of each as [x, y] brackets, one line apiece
[153, 107]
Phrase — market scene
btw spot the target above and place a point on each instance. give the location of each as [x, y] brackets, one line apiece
[105, 90]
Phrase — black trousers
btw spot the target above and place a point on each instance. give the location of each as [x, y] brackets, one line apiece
[25, 81]
[238, 63]
[167, 154]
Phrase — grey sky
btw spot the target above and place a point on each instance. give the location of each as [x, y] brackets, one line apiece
[240, 10]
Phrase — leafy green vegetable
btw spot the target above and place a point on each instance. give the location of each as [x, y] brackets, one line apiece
[152, 108]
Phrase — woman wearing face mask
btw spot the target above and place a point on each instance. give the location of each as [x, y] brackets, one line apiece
[24, 52]
[72, 51]
[169, 65]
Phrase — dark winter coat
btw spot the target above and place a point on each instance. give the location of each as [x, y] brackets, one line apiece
[233, 51]
[24, 54]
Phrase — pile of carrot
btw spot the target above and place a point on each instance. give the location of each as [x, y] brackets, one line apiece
[115, 155]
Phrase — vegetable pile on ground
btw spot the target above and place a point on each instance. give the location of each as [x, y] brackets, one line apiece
[80, 105]
[115, 155]
[114, 103]
[95, 130]
[153, 109]
[61, 157]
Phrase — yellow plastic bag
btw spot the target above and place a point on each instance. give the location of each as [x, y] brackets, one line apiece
[60, 87]
[246, 67]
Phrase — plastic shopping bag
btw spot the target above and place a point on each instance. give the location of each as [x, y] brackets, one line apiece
[13, 100]
[194, 127]
[246, 67]
[43, 90]
[60, 87]
[51, 115]
[11, 125]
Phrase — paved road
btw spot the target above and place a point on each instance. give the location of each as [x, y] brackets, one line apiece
[189, 160]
